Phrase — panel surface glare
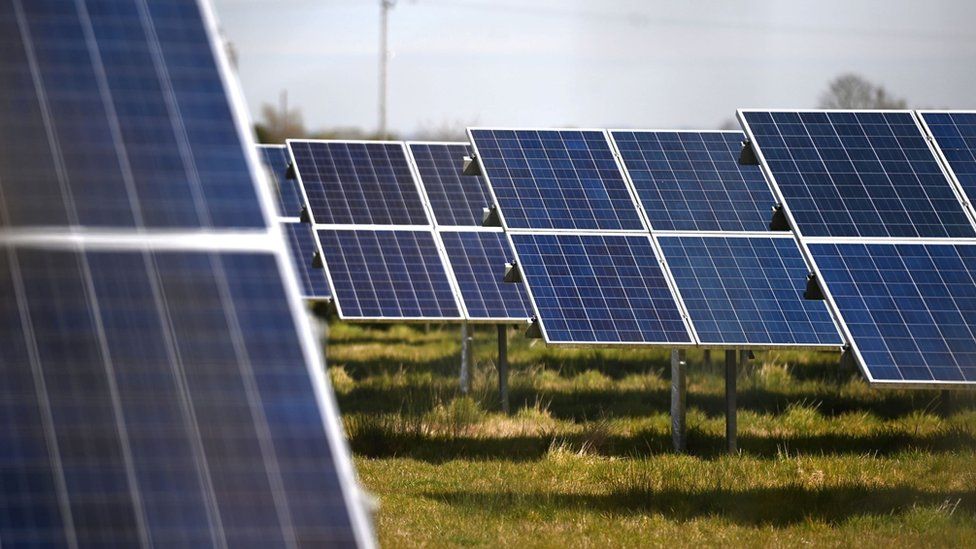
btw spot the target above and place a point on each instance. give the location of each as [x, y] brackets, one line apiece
[599, 289]
[911, 308]
[358, 183]
[116, 116]
[456, 199]
[301, 241]
[478, 261]
[556, 179]
[857, 173]
[747, 290]
[692, 181]
[387, 274]
[288, 198]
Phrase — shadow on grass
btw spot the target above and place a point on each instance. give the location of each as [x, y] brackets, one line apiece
[440, 449]
[776, 507]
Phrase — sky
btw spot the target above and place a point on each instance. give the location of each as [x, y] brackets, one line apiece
[602, 64]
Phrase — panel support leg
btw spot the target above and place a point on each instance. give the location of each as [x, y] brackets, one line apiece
[466, 353]
[678, 390]
[503, 367]
[707, 358]
[730, 403]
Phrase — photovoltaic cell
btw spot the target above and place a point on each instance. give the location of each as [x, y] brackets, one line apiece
[117, 117]
[955, 136]
[857, 173]
[478, 260]
[692, 181]
[288, 197]
[599, 289]
[455, 199]
[556, 179]
[747, 290]
[358, 183]
[301, 241]
[387, 274]
[910, 308]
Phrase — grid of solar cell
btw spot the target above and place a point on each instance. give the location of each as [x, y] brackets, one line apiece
[289, 198]
[740, 290]
[358, 183]
[692, 181]
[455, 199]
[910, 308]
[857, 173]
[301, 240]
[556, 179]
[387, 274]
[955, 136]
[90, 94]
[477, 259]
[590, 288]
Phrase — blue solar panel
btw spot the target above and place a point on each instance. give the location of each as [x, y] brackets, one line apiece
[599, 289]
[358, 183]
[116, 116]
[301, 241]
[387, 275]
[747, 291]
[478, 260]
[556, 179]
[692, 181]
[287, 194]
[955, 136]
[850, 173]
[166, 401]
[910, 308]
[455, 199]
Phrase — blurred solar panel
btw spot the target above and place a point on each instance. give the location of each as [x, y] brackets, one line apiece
[955, 136]
[455, 199]
[288, 196]
[556, 179]
[478, 259]
[103, 119]
[857, 173]
[692, 181]
[311, 279]
[387, 275]
[157, 387]
[747, 291]
[599, 289]
[910, 308]
[358, 183]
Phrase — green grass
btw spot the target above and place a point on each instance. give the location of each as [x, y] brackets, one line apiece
[585, 458]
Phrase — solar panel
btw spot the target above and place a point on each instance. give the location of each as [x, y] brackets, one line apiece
[157, 387]
[301, 241]
[90, 97]
[954, 133]
[275, 160]
[455, 199]
[692, 181]
[358, 183]
[748, 291]
[857, 173]
[599, 288]
[387, 275]
[556, 179]
[910, 308]
[477, 260]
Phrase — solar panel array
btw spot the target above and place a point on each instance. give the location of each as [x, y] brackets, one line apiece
[886, 231]
[455, 200]
[157, 387]
[288, 196]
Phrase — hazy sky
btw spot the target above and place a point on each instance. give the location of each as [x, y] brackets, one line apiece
[611, 63]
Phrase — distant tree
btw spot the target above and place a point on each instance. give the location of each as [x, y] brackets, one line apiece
[852, 91]
[279, 123]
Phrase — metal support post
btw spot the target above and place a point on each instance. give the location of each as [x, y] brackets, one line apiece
[678, 390]
[730, 404]
[466, 353]
[503, 367]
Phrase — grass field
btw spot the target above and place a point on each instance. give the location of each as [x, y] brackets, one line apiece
[585, 458]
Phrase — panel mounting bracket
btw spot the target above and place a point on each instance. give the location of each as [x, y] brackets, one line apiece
[471, 166]
[779, 222]
[304, 216]
[847, 359]
[747, 156]
[490, 217]
[814, 291]
[317, 261]
[513, 275]
[290, 172]
[534, 331]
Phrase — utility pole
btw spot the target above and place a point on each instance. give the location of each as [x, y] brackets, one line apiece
[385, 7]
